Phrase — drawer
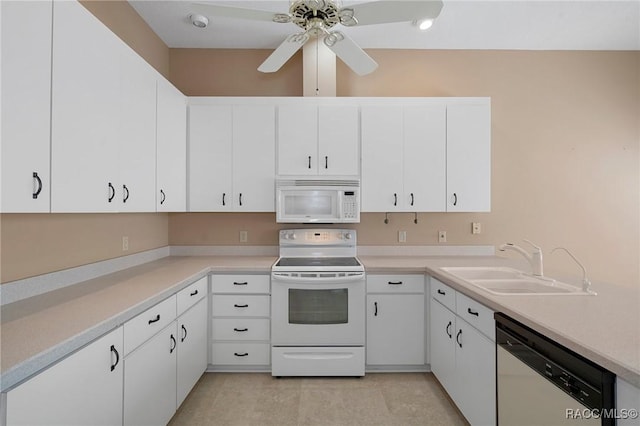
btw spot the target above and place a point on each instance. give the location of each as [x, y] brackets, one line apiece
[395, 284]
[476, 314]
[139, 329]
[189, 296]
[240, 329]
[240, 305]
[240, 283]
[443, 294]
[240, 353]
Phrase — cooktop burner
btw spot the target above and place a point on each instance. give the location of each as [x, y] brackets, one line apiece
[317, 261]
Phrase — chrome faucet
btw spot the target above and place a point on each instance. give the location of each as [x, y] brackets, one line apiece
[586, 284]
[535, 258]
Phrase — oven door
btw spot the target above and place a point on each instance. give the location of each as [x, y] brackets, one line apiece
[318, 309]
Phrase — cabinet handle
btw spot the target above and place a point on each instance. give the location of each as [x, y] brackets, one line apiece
[184, 335]
[326, 161]
[112, 192]
[164, 197]
[240, 199]
[194, 293]
[375, 307]
[412, 199]
[441, 292]
[115, 352]
[240, 329]
[458, 337]
[39, 182]
[242, 354]
[173, 348]
[241, 306]
[472, 312]
[455, 199]
[448, 330]
[125, 193]
[223, 201]
[394, 282]
[309, 161]
[395, 199]
[240, 283]
[156, 319]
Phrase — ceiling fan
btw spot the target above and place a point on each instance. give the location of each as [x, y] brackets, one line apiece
[317, 18]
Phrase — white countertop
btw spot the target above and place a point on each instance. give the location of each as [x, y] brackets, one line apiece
[36, 332]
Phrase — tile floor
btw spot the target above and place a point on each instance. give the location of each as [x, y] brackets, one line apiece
[375, 399]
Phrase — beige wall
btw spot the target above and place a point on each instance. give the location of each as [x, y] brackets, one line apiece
[565, 150]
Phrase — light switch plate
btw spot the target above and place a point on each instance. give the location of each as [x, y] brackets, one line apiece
[402, 236]
[244, 236]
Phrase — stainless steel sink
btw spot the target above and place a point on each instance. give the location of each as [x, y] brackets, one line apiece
[505, 281]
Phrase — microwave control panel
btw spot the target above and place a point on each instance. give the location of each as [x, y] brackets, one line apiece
[350, 205]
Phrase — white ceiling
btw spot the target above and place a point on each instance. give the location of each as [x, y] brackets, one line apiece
[470, 24]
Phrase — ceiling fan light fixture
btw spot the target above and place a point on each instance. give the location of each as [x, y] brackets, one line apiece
[198, 21]
[423, 24]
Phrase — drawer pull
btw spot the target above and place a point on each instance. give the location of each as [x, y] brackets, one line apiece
[240, 329]
[184, 335]
[174, 344]
[156, 319]
[472, 312]
[240, 283]
[115, 352]
[241, 306]
[458, 337]
[242, 354]
[394, 282]
[441, 292]
[448, 330]
[375, 306]
[194, 293]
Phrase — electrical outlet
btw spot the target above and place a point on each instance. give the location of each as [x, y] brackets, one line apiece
[125, 243]
[244, 236]
[402, 236]
[476, 228]
[442, 236]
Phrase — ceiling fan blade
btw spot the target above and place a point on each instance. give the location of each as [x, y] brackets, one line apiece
[381, 12]
[286, 50]
[350, 53]
[232, 12]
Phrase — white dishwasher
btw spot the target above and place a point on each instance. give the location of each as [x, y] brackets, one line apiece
[540, 382]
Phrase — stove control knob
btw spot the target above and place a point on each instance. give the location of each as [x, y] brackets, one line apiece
[347, 235]
[292, 236]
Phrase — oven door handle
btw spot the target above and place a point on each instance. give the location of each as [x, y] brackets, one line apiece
[316, 279]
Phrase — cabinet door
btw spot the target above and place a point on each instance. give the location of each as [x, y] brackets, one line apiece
[84, 388]
[442, 346]
[297, 140]
[137, 140]
[26, 106]
[381, 158]
[338, 140]
[210, 158]
[150, 380]
[424, 158]
[85, 103]
[395, 329]
[192, 348]
[254, 158]
[475, 393]
[469, 157]
[171, 149]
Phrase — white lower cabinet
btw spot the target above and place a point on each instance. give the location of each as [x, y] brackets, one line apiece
[627, 403]
[192, 348]
[395, 320]
[463, 352]
[240, 325]
[82, 389]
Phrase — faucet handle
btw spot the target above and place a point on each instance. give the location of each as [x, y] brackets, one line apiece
[532, 245]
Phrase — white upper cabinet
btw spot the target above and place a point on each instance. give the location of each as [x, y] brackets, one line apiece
[232, 158]
[171, 149]
[103, 118]
[403, 158]
[26, 101]
[469, 157]
[318, 139]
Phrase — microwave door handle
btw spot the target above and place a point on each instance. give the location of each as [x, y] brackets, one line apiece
[318, 280]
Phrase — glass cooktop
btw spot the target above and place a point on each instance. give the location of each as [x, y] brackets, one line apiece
[317, 261]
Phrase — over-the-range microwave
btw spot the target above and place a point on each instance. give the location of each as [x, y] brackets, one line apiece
[317, 200]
